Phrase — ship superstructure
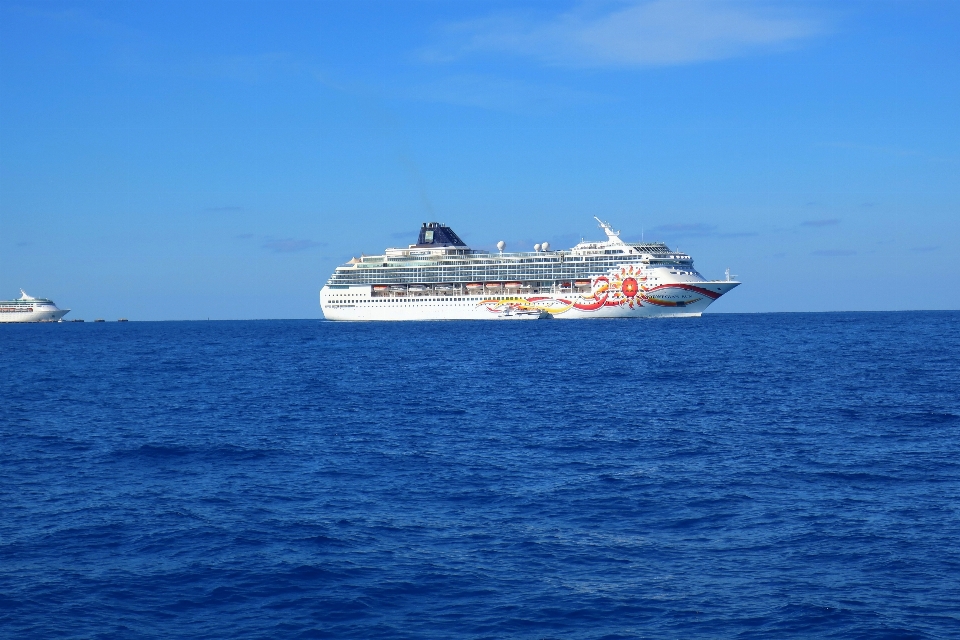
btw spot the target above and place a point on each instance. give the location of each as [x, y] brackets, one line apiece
[29, 309]
[441, 278]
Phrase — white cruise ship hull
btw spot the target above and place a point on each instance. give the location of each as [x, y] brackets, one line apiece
[33, 313]
[359, 303]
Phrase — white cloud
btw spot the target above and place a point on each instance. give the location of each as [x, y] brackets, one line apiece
[654, 33]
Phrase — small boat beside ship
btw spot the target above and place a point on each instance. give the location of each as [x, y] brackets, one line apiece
[511, 313]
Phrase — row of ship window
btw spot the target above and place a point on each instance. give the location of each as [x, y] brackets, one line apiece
[444, 299]
[419, 275]
[376, 263]
[527, 262]
[420, 303]
[480, 274]
[462, 275]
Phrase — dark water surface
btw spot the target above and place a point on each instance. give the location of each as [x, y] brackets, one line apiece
[782, 475]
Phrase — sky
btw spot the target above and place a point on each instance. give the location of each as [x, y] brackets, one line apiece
[193, 160]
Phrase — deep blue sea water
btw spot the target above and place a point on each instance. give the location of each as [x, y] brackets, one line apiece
[772, 475]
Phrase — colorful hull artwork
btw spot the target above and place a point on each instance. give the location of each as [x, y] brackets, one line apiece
[626, 288]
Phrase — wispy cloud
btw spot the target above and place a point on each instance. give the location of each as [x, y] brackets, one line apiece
[926, 248]
[289, 245]
[654, 33]
[834, 253]
[826, 222]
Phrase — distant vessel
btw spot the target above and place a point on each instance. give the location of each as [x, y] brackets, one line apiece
[29, 309]
[441, 278]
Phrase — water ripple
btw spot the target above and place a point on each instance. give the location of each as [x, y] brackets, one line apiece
[745, 475]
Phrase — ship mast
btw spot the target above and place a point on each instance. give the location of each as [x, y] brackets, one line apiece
[613, 237]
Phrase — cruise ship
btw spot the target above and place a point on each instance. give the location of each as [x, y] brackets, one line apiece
[29, 309]
[441, 278]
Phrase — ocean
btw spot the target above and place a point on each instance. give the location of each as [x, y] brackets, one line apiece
[763, 475]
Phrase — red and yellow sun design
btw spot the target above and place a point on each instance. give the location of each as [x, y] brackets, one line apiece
[625, 287]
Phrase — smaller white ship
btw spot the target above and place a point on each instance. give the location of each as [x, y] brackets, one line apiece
[511, 312]
[29, 309]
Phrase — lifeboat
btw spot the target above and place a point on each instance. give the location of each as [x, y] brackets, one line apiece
[565, 285]
[582, 283]
[512, 285]
[443, 287]
[416, 287]
[380, 287]
[473, 286]
[493, 285]
[398, 288]
[526, 286]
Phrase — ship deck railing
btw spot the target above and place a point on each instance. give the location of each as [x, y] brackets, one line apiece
[499, 291]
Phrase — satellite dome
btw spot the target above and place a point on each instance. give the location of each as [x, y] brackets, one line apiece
[501, 245]
[536, 247]
[545, 246]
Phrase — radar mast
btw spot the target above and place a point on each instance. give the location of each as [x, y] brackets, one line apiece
[613, 237]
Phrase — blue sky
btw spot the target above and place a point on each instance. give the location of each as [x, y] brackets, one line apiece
[219, 159]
